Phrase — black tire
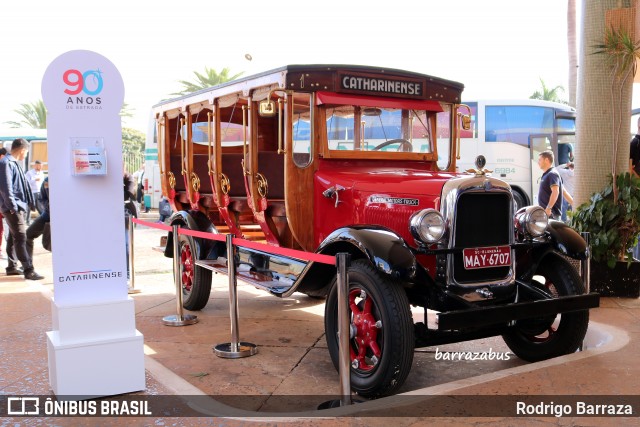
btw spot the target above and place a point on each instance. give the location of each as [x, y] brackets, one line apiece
[520, 199]
[386, 302]
[195, 280]
[552, 336]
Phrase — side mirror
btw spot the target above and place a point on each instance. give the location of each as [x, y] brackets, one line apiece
[466, 122]
[267, 108]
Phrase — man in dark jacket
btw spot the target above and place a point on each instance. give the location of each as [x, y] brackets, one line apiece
[17, 201]
[37, 227]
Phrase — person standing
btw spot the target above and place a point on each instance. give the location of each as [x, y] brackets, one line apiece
[37, 227]
[566, 173]
[634, 170]
[634, 156]
[550, 190]
[35, 176]
[130, 210]
[3, 152]
[16, 201]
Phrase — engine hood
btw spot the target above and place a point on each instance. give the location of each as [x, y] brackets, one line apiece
[390, 182]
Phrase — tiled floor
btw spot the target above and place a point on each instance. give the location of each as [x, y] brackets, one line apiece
[293, 360]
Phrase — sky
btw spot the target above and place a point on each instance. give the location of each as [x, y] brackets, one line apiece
[498, 49]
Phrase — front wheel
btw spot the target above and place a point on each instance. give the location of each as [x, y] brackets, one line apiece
[551, 336]
[195, 281]
[381, 331]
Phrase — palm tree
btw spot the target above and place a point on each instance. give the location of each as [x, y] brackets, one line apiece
[33, 115]
[210, 78]
[596, 149]
[548, 94]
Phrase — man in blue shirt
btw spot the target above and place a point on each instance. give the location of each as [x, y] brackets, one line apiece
[550, 190]
[16, 201]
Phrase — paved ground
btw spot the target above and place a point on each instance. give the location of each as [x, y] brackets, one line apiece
[292, 371]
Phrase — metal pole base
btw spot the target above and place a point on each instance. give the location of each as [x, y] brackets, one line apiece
[175, 320]
[243, 349]
[133, 291]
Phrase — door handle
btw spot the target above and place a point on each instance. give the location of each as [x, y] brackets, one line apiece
[333, 191]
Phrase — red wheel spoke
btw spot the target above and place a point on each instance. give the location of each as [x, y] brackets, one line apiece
[365, 351]
[187, 267]
[375, 349]
[367, 306]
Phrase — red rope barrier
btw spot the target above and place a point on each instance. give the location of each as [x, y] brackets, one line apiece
[291, 253]
[152, 224]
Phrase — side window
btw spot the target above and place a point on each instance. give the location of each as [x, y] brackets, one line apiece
[512, 123]
[301, 128]
[231, 126]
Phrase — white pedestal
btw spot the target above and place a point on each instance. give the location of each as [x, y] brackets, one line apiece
[95, 350]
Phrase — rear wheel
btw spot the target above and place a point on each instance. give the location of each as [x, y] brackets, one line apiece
[195, 281]
[381, 331]
[551, 336]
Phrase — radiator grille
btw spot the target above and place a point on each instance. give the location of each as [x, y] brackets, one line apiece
[482, 219]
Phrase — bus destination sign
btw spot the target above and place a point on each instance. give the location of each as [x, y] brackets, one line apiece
[360, 83]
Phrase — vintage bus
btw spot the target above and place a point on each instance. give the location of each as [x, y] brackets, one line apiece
[361, 160]
[511, 134]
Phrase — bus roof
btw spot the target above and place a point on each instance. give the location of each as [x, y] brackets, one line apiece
[28, 134]
[278, 75]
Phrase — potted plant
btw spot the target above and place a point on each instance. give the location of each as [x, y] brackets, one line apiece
[613, 223]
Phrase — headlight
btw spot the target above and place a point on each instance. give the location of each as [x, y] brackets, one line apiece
[427, 226]
[531, 221]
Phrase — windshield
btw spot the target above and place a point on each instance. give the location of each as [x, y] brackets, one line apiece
[389, 130]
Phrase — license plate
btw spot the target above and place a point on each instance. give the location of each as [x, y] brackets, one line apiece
[494, 256]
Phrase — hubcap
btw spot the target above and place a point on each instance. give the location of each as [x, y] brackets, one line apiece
[365, 351]
[186, 261]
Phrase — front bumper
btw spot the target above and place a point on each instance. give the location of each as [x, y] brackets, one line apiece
[494, 315]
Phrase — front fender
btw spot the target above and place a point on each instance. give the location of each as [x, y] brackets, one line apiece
[567, 241]
[386, 250]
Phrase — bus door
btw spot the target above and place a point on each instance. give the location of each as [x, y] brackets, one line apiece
[538, 144]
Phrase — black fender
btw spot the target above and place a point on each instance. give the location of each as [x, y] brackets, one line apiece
[567, 241]
[560, 239]
[194, 220]
[386, 250]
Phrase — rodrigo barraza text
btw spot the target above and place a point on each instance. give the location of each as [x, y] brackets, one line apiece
[579, 408]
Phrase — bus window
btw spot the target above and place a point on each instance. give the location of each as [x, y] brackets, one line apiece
[231, 132]
[514, 123]
[379, 129]
[567, 125]
[302, 109]
[199, 132]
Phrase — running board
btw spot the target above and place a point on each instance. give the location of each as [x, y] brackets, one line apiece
[273, 273]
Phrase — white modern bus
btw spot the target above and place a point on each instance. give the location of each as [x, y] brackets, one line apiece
[151, 179]
[511, 134]
[37, 139]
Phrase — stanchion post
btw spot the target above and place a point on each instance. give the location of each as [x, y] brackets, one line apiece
[132, 270]
[344, 328]
[585, 264]
[234, 349]
[180, 319]
[585, 270]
